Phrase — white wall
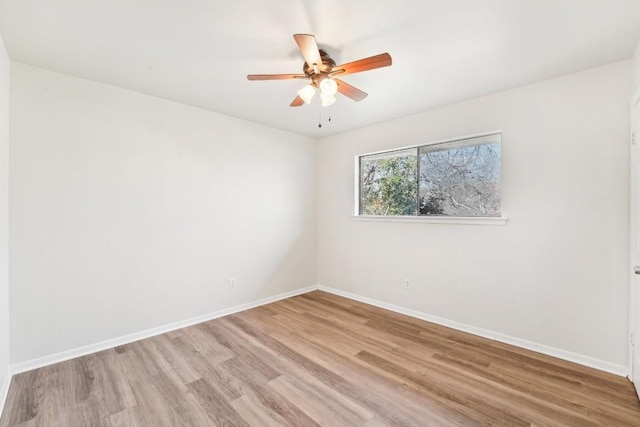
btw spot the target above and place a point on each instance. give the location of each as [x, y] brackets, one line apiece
[636, 71]
[4, 221]
[130, 212]
[556, 274]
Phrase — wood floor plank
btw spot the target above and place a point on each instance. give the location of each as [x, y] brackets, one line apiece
[254, 414]
[24, 398]
[240, 351]
[319, 404]
[173, 356]
[481, 380]
[116, 390]
[122, 419]
[330, 378]
[216, 404]
[318, 359]
[380, 389]
[276, 405]
[225, 383]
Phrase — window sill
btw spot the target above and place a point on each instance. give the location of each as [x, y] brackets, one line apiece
[434, 220]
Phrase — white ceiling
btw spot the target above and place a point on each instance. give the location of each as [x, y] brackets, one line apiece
[199, 52]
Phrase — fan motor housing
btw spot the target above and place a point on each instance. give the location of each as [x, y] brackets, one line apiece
[325, 68]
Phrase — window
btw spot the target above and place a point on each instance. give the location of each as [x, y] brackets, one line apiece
[459, 178]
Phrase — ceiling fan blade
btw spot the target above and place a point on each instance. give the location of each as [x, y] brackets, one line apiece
[275, 76]
[297, 102]
[350, 91]
[370, 63]
[308, 48]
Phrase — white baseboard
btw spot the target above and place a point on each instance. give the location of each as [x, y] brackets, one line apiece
[104, 345]
[4, 391]
[591, 362]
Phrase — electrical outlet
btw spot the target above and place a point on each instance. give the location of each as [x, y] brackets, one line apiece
[407, 283]
[232, 283]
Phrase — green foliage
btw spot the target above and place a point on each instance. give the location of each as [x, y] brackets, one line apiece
[389, 186]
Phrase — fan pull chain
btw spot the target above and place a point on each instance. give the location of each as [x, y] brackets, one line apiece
[320, 117]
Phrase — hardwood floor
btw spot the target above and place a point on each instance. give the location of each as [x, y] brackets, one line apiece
[318, 359]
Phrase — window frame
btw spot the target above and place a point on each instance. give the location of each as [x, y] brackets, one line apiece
[433, 219]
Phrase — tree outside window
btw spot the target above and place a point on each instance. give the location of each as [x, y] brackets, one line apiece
[458, 178]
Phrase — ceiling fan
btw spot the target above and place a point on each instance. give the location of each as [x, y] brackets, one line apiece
[322, 71]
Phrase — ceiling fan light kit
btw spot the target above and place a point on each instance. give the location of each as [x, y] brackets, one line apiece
[328, 86]
[328, 90]
[306, 93]
[322, 70]
[327, 100]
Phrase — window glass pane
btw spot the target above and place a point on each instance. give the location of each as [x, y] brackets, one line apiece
[388, 183]
[461, 178]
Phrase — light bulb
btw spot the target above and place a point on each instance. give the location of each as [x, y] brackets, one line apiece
[327, 99]
[328, 86]
[306, 93]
